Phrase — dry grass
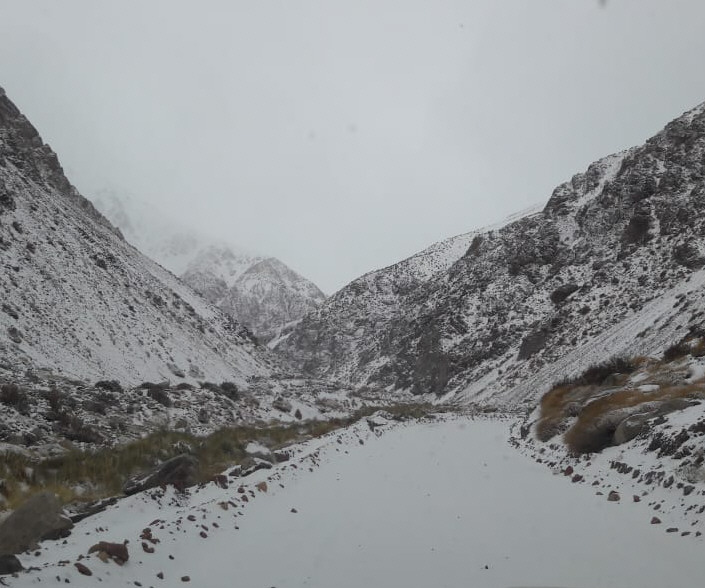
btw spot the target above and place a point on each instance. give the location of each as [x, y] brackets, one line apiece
[89, 475]
[597, 421]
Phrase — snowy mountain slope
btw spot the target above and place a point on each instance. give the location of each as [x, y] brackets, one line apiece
[260, 292]
[471, 526]
[80, 301]
[610, 251]
[350, 319]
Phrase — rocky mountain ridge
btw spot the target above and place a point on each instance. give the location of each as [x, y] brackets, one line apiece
[80, 302]
[260, 292]
[611, 265]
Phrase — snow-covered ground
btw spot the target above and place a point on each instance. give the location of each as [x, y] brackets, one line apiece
[444, 503]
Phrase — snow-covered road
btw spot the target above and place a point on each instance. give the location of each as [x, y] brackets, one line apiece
[432, 505]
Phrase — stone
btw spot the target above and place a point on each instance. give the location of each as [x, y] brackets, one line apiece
[655, 521]
[82, 569]
[9, 564]
[39, 518]
[179, 471]
[115, 551]
[281, 455]
[613, 496]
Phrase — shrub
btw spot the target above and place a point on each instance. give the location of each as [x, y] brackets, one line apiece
[14, 396]
[597, 374]
[676, 351]
[154, 386]
[109, 385]
[160, 395]
[230, 390]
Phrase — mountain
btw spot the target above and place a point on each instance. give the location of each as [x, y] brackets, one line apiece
[79, 301]
[260, 292]
[611, 265]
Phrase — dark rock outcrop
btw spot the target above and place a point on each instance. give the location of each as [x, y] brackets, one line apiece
[179, 471]
[40, 517]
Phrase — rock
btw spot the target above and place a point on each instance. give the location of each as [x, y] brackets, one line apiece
[636, 498]
[294, 510]
[630, 428]
[86, 510]
[568, 471]
[613, 496]
[559, 295]
[262, 486]
[281, 455]
[179, 471]
[576, 478]
[9, 564]
[250, 465]
[655, 521]
[282, 404]
[672, 530]
[220, 480]
[82, 569]
[39, 518]
[115, 551]
[185, 579]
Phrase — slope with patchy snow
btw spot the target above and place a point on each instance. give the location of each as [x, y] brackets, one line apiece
[616, 248]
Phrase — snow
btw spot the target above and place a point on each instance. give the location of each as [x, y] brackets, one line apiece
[446, 503]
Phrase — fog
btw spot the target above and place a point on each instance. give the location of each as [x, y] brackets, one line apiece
[343, 136]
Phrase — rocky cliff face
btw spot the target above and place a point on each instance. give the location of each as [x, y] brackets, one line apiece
[79, 301]
[611, 265]
[260, 292]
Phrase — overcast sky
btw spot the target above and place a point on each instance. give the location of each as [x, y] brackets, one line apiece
[344, 135]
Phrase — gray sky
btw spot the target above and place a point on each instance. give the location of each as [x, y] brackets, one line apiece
[344, 135]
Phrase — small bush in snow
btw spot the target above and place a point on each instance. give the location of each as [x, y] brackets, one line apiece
[16, 397]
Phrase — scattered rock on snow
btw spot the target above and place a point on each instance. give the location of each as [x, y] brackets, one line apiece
[613, 496]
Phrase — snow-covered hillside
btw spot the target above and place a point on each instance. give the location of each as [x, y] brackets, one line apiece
[611, 265]
[444, 503]
[81, 302]
[258, 291]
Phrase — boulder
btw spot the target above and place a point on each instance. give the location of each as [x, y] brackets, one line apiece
[115, 551]
[633, 425]
[630, 428]
[39, 518]
[9, 564]
[179, 471]
[281, 455]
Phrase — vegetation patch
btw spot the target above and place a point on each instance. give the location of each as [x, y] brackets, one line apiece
[589, 409]
[87, 475]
